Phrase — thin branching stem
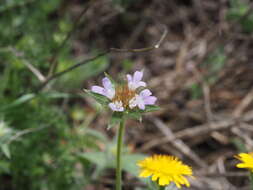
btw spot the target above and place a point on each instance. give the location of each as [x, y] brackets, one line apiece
[117, 50]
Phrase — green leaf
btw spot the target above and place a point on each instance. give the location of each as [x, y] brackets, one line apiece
[56, 95]
[97, 158]
[4, 167]
[96, 134]
[129, 163]
[115, 119]
[99, 98]
[151, 108]
[23, 99]
[6, 150]
[135, 115]
[238, 10]
[72, 80]
[196, 91]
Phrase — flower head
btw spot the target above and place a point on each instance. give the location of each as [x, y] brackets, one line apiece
[247, 161]
[126, 96]
[165, 169]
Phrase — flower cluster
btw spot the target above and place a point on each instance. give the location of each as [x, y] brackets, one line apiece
[247, 161]
[165, 169]
[126, 96]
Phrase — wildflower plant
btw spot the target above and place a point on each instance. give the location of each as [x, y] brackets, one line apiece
[165, 170]
[129, 99]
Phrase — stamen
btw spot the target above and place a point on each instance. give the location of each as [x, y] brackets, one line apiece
[125, 95]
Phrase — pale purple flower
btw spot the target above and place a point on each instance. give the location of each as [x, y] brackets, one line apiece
[116, 106]
[126, 96]
[134, 81]
[142, 99]
[108, 90]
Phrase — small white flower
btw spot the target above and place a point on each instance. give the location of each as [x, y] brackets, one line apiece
[116, 106]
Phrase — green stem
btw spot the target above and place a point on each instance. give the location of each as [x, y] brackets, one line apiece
[119, 146]
[251, 180]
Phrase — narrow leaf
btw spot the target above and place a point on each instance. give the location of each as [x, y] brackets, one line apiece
[21, 100]
[6, 150]
[115, 119]
[135, 115]
[99, 98]
[151, 108]
[111, 79]
[97, 158]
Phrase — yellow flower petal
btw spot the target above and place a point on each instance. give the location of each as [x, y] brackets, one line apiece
[155, 177]
[163, 181]
[246, 159]
[145, 173]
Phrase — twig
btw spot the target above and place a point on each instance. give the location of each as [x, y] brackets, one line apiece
[157, 45]
[21, 133]
[206, 92]
[243, 104]
[178, 143]
[227, 174]
[70, 69]
[35, 71]
[32, 68]
[201, 130]
[243, 135]
[246, 126]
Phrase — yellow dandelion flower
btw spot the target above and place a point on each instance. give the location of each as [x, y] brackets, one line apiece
[247, 161]
[165, 169]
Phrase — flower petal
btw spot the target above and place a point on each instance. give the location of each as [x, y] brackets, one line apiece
[107, 83]
[129, 78]
[138, 76]
[109, 88]
[116, 106]
[141, 83]
[155, 177]
[150, 100]
[163, 181]
[145, 93]
[98, 90]
[141, 105]
[145, 173]
[135, 81]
